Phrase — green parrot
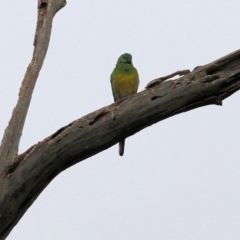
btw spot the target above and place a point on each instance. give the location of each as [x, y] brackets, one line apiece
[124, 81]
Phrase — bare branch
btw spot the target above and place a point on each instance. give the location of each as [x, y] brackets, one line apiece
[97, 131]
[10, 142]
[13, 132]
[161, 79]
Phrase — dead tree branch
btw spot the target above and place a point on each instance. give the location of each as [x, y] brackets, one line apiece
[10, 142]
[99, 130]
[23, 177]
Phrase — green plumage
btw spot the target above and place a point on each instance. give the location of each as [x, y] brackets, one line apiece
[124, 81]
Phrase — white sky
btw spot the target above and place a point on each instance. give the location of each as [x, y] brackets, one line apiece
[179, 179]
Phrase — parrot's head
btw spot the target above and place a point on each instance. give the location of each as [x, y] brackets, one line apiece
[125, 58]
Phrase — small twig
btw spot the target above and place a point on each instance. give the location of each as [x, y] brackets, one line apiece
[161, 79]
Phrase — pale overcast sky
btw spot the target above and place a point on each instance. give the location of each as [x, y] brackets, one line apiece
[179, 179]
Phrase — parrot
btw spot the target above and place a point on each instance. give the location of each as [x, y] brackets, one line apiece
[124, 81]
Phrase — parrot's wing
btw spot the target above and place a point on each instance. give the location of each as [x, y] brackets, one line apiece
[113, 91]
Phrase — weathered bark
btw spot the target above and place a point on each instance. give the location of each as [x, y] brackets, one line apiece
[97, 131]
[10, 142]
[23, 177]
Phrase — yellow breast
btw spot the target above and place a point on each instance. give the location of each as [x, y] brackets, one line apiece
[124, 85]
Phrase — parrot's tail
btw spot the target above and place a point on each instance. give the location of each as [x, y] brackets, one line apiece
[121, 147]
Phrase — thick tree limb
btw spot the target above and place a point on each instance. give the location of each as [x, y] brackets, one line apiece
[99, 130]
[10, 142]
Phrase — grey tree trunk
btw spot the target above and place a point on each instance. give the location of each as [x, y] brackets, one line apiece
[23, 177]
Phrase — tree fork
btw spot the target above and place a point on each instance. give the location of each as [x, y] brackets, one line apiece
[11, 138]
[99, 130]
[23, 177]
